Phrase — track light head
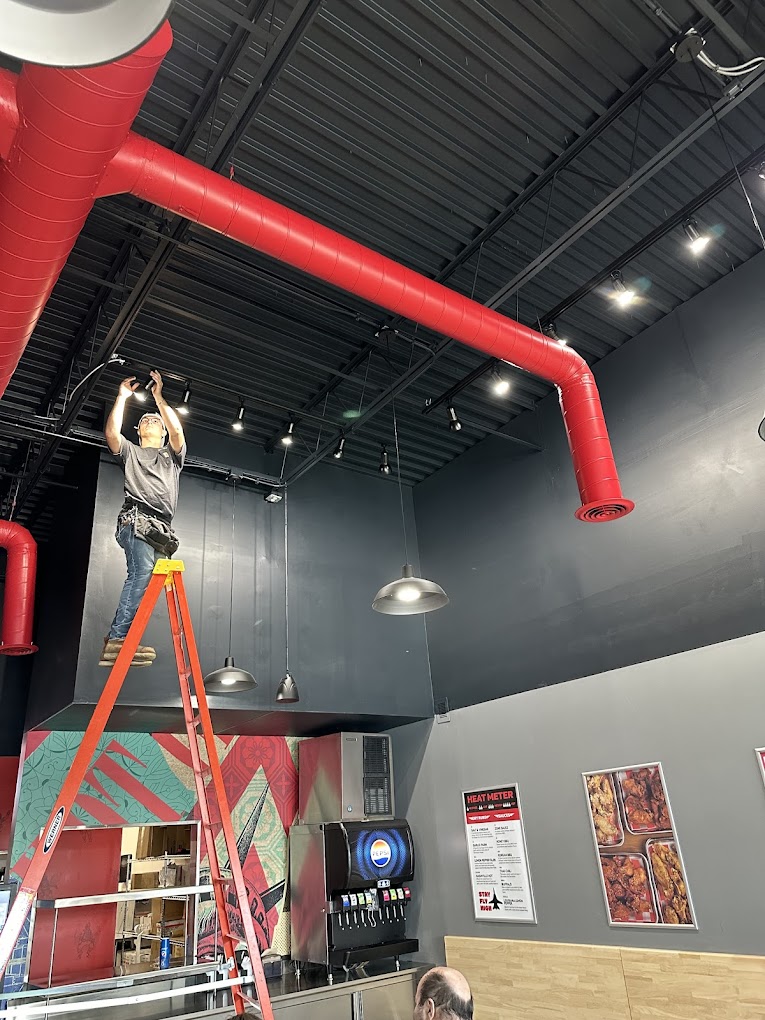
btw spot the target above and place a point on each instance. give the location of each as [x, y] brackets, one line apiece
[274, 496]
[238, 423]
[499, 384]
[454, 423]
[289, 436]
[697, 241]
[338, 451]
[621, 294]
[184, 406]
[384, 468]
[550, 331]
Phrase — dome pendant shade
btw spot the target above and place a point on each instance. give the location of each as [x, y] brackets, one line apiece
[229, 679]
[287, 692]
[409, 595]
[78, 33]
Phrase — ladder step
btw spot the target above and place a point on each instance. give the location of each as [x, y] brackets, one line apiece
[222, 881]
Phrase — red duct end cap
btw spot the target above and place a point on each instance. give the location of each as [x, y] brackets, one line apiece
[18, 649]
[604, 510]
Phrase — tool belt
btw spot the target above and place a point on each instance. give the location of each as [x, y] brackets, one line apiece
[150, 525]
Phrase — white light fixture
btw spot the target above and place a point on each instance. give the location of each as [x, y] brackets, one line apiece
[289, 436]
[184, 406]
[274, 496]
[408, 595]
[550, 331]
[338, 451]
[384, 468]
[287, 692]
[229, 679]
[499, 384]
[697, 241]
[621, 294]
[238, 423]
[454, 423]
[140, 396]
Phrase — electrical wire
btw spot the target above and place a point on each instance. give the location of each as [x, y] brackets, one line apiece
[286, 588]
[233, 557]
[398, 459]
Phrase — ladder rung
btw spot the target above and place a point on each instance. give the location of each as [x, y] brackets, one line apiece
[222, 881]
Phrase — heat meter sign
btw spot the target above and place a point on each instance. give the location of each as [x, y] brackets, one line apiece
[499, 870]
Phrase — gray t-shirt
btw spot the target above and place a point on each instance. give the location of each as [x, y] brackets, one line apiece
[152, 475]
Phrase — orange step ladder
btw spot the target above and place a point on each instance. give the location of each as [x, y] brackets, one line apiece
[168, 574]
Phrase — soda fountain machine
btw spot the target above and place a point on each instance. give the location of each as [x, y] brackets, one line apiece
[351, 874]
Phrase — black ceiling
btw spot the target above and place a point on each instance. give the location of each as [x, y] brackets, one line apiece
[464, 138]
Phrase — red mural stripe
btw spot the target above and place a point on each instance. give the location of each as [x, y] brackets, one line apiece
[121, 749]
[33, 740]
[133, 788]
[178, 750]
[100, 811]
[90, 778]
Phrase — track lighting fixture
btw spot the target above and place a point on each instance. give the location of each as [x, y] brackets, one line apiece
[621, 294]
[550, 331]
[761, 171]
[287, 691]
[338, 451]
[384, 468]
[184, 406]
[140, 396]
[454, 423]
[697, 241]
[289, 436]
[238, 423]
[274, 496]
[499, 384]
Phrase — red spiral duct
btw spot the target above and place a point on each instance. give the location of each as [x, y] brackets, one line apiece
[19, 600]
[155, 174]
[70, 125]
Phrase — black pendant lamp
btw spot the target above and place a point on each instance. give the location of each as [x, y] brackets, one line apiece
[407, 595]
[287, 692]
[230, 679]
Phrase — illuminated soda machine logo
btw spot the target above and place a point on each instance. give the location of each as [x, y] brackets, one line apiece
[380, 853]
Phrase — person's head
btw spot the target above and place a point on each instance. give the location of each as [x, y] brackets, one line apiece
[151, 430]
[443, 994]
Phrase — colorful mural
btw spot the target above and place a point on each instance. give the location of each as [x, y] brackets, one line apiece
[141, 778]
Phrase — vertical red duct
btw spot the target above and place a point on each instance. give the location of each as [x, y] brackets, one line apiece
[157, 175]
[19, 600]
[70, 125]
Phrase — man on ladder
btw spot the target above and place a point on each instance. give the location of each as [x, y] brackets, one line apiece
[152, 471]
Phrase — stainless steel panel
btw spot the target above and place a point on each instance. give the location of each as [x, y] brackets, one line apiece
[337, 1007]
[389, 1000]
[331, 778]
[352, 771]
[308, 918]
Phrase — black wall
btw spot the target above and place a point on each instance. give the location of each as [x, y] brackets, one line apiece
[354, 667]
[537, 597]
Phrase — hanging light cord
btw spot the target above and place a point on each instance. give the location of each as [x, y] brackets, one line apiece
[231, 596]
[398, 455]
[286, 586]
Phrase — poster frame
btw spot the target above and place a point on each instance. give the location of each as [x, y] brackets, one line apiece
[651, 926]
[484, 917]
[760, 755]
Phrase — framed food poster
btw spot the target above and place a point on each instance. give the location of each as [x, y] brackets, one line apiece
[496, 842]
[641, 867]
[760, 752]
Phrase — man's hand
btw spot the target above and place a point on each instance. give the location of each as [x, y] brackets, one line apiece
[157, 388]
[128, 387]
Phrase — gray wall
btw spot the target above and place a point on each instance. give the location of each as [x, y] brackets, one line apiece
[537, 597]
[351, 664]
[701, 713]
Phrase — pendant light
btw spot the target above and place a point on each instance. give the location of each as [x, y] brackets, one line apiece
[229, 679]
[287, 691]
[408, 595]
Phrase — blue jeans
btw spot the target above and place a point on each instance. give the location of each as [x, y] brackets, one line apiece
[140, 563]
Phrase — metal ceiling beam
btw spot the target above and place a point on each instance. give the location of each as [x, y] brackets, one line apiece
[724, 27]
[645, 173]
[255, 95]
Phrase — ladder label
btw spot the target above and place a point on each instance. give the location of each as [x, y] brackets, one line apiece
[55, 825]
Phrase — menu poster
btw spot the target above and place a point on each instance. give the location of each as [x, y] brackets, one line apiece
[641, 867]
[499, 870]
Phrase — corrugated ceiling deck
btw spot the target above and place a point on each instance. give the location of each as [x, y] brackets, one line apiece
[407, 125]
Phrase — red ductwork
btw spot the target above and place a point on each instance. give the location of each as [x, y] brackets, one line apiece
[19, 600]
[70, 125]
[159, 176]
